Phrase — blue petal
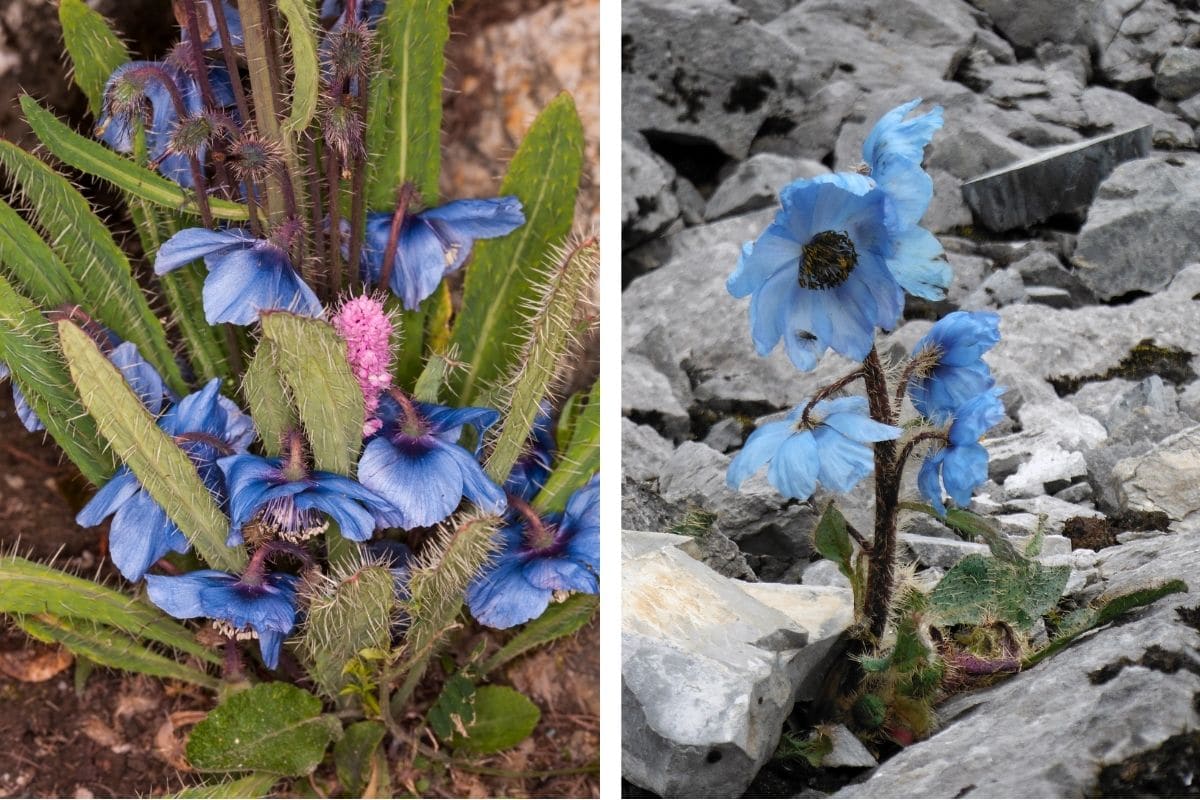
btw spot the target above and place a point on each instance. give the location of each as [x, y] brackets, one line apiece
[962, 337]
[762, 258]
[770, 309]
[246, 282]
[929, 480]
[421, 261]
[191, 244]
[25, 412]
[905, 138]
[140, 535]
[964, 468]
[917, 264]
[561, 574]
[479, 219]
[446, 423]
[194, 412]
[861, 428]
[793, 470]
[111, 496]
[144, 379]
[583, 507]
[844, 463]
[502, 598]
[909, 190]
[180, 595]
[423, 485]
[269, 644]
[354, 522]
[477, 486]
[760, 447]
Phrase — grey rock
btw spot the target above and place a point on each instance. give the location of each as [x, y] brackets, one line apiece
[1026, 24]
[644, 509]
[1056, 510]
[691, 202]
[1178, 73]
[948, 210]
[726, 436]
[1002, 288]
[812, 122]
[1189, 400]
[1050, 296]
[1111, 109]
[1075, 493]
[647, 392]
[1167, 478]
[1138, 232]
[1094, 702]
[1064, 422]
[638, 543]
[643, 451]
[847, 750]
[765, 10]
[1130, 35]
[1190, 109]
[711, 548]
[1114, 402]
[1062, 180]
[755, 183]
[648, 205]
[713, 666]
[1049, 468]
[824, 573]
[931, 551]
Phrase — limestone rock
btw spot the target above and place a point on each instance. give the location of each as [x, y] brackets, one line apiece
[755, 183]
[1165, 479]
[1178, 73]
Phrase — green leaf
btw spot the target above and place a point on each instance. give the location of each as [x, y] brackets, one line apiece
[274, 728]
[353, 755]
[433, 376]
[831, 538]
[306, 75]
[503, 718]
[404, 113]
[27, 345]
[94, 48]
[253, 785]
[972, 526]
[559, 620]
[93, 158]
[454, 709]
[111, 648]
[352, 615]
[505, 272]
[163, 469]
[560, 303]
[979, 586]
[205, 349]
[311, 358]
[32, 265]
[580, 461]
[85, 245]
[267, 398]
[33, 589]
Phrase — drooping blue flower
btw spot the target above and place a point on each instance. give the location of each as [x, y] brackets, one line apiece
[433, 243]
[893, 152]
[208, 23]
[115, 127]
[246, 275]
[531, 470]
[819, 275]
[538, 557]
[263, 610]
[832, 449]
[415, 462]
[961, 465]
[290, 501]
[959, 341]
[205, 425]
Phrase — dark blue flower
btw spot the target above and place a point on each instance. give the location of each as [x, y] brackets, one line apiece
[115, 126]
[264, 610]
[291, 502]
[246, 275]
[819, 275]
[961, 465]
[538, 557]
[893, 152]
[416, 464]
[369, 11]
[433, 243]
[208, 22]
[831, 448]
[205, 425]
[529, 474]
[956, 372]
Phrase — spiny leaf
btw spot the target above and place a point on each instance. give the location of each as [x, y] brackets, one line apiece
[563, 296]
[93, 158]
[267, 398]
[162, 468]
[404, 113]
[433, 376]
[559, 620]
[353, 755]
[312, 362]
[27, 345]
[32, 265]
[544, 174]
[111, 648]
[979, 586]
[580, 461]
[344, 618]
[32, 589]
[306, 75]
[94, 48]
[85, 245]
[831, 538]
[255, 784]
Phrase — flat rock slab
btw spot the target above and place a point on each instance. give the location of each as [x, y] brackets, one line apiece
[1061, 180]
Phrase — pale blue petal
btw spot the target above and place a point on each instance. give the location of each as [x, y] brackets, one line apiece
[844, 463]
[424, 486]
[760, 447]
[793, 470]
[191, 244]
[918, 264]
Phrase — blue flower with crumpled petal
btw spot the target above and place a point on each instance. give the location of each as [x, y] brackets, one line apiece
[416, 464]
[961, 465]
[433, 243]
[205, 424]
[246, 275]
[820, 275]
[233, 22]
[960, 339]
[893, 152]
[535, 561]
[116, 129]
[831, 450]
[529, 473]
[291, 501]
[266, 610]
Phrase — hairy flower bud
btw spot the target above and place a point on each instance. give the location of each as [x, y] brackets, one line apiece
[254, 158]
[191, 135]
[349, 52]
[343, 128]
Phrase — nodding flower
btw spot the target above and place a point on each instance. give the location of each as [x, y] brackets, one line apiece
[950, 359]
[961, 465]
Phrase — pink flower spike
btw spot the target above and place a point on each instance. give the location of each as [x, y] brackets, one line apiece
[367, 330]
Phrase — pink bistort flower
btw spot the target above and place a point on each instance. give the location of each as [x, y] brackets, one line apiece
[367, 329]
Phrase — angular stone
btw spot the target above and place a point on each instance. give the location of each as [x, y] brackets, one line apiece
[1178, 73]
[645, 391]
[1110, 108]
[755, 183]
[1047, 471]
[643, 451]
[1165, 479]
[933, 551]
[648, 205]
[1062, 180]
[824, 573]
[1026, 24]
[1130, 35]
[848, 750]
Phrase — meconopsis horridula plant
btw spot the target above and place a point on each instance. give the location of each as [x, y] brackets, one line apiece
[828, 273]
[318, 452]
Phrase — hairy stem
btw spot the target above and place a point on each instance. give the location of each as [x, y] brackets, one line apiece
[882, 557]
[829, 391]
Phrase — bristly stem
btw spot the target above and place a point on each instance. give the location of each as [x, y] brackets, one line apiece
[829, 391]
[923, 436]
[333, 178]
[358, 183]
[239, 98]
[317, 212]
[404, 196]
[882, 557]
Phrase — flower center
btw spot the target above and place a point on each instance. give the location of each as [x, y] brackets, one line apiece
[541, 538]
[827, 260]
[280, 517]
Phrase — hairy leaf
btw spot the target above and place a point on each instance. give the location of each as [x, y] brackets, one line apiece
[580, 460]
[306, 74]
[267, 398]
[30, 263]
[353, 755]
[94, 48]
[503, 718]
[980, 586]
[559, 620]
[454, 708]
[344, 618]
[253, 785]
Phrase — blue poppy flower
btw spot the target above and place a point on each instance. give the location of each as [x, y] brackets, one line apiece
[531, 470]
[115, 125]
[538, 557]
[415, 462]
[25, 413]
[819, 275]
[893, 152]
[205, 425]
[291, 502]
[433, 243]
[208, 22]
[263, 610]
[961, 465]
[831, 449]
[246, 275]
[958, 342]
